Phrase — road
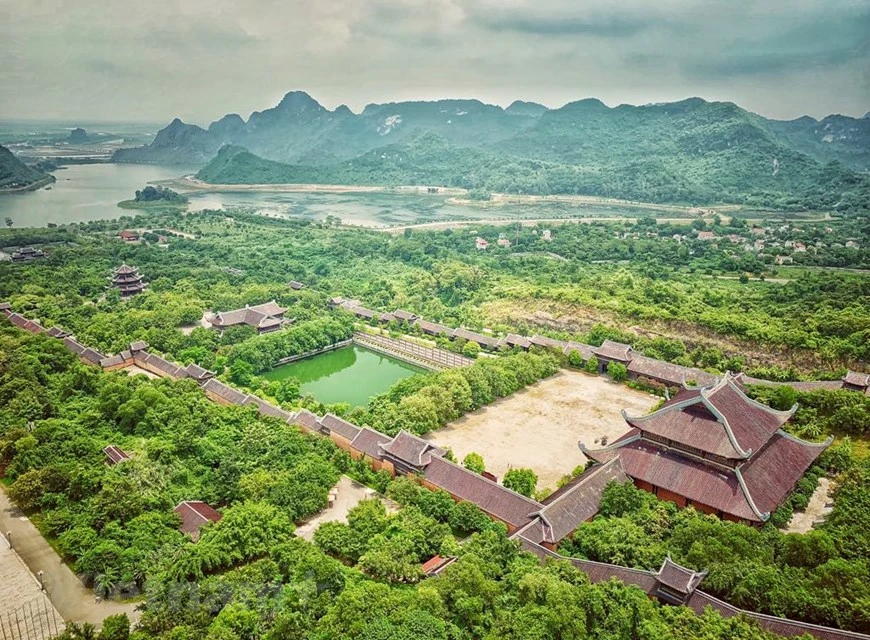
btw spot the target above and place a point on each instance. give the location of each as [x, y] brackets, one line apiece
[69, 596]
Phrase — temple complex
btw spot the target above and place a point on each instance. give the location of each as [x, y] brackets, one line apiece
[715, 449]
[127, 280]
[264, 317]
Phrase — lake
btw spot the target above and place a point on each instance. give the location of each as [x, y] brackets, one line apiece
[83, 192]
[350, 374]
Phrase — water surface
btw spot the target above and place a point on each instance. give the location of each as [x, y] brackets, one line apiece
[350, 374]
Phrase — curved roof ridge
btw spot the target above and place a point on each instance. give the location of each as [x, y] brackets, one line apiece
[763, 516]
[723, 420]
[611, 447]
[594, 471]
[485, 479]
[671, 407]
[825, 444]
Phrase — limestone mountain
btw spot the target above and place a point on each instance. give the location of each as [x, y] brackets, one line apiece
[15, 175]
[835, 137]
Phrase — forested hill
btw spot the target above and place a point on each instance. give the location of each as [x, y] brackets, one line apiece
[690, 151]
[15, 175]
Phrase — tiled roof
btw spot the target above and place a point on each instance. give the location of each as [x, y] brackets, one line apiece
[4, 306]
[197, 372]
[125, 269]
[224, 391]
[493, 498]
[92, 355]
[411, 449]
[57, 332]
[671, 373]
[406, 316]
[362, 312]
[857, 379]
[577, 501]
[115, 454]
[679, 578]
[586, 351]
[386, 317]
[482, 340]
[267, 409]
[73, 345]
[194, 514]
[138, 345]
[336, 425]
[720, 420]
[165, 366]
[112, 361]
[515, 340]
[368, 441]
[307, 419]
[262, 316]
[434, 328]
[296, 285]
[614, 351]
[436, 564]
[549, 343]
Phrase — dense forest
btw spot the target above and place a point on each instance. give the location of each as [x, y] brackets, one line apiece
[14, 174]
[251, 576]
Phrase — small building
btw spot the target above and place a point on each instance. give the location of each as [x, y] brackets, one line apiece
[547, 235]
[486, 342]
[129, 236]
[436, 564]
[265, 317]
[114, 455]
[504, 243]
[340, 431]
[433, 328]
[857, 381]
[515, 341]
[295, 285]
[676, 583]
[128, 280]
[58, 332]
[800, 247]
[706, 235]
[404, 316]
[26, 254]
[198, 373]
[194, 515]
[480, 244]
[611, 351]
[781, 260]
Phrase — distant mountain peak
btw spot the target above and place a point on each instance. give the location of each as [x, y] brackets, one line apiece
[867, 116]
[297, 101]
[343, 110]
[523, 108]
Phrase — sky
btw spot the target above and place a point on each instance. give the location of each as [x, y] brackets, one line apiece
[118, 60]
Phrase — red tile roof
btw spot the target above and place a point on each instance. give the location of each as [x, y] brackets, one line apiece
[115, 454]
[368, 441]
[670, 373]
[194, 514]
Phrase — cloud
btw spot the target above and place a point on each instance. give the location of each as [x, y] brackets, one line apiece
[200, 59]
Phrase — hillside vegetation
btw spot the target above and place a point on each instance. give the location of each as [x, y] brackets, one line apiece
[14, 174]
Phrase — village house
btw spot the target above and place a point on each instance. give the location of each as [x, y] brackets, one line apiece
[706, 235]
[26, 254]
[611, 351]
[114, 455]
[480, 244]
[714, 448]
[295, 285]
[129, 236]
[265, 317]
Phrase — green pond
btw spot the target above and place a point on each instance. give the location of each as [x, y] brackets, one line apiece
[350, 374]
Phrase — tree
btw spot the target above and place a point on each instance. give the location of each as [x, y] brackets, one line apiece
[474, 462]
[287, 390]
[592, 365]
[241, 373]
[575, 359]
[8, 221]
[523, 481]
[617, 371]
[116, 627]
[471, 349]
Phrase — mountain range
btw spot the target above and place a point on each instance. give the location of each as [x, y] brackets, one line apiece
[692, 150]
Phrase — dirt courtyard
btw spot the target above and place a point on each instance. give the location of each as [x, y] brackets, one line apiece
[539, 427]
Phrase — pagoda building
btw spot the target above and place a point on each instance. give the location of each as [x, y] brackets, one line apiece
[715, 449]
[127, 280]
[26, 254]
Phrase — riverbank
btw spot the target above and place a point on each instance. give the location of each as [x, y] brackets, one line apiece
[34, 186]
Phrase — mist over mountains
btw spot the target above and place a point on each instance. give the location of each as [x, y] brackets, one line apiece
[692, 150]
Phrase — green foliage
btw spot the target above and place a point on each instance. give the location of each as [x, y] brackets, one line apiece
[474, 462]
[523, 481]
[159, 193]
[617, 371]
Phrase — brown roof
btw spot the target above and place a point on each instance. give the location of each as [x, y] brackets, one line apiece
[57, 332]
[124, 270]
[493, 498]
[112, 361]
[679, 578]
[614, 351]
[92, 355]
[224, 391]
[334, 424]
[295, 284]
[165, 366]
[4, 306]
[549, 343]
[436, 564]
[195, 514]
[197, 372]
[479, 338]
[434, 328]
[267, 409]
[857, 379]
[115, 454]
[411, 449]
[368, 441]
[515, 340]
[262, 316]
[138, 345]
[307, 419]
[671, 373]
[577, 501]
[407, 316]
[73, 345]
[362, 312]
[586, 351]
[720, 420]
[386, 317]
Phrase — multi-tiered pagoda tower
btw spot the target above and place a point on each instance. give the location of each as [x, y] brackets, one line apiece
[128, 280]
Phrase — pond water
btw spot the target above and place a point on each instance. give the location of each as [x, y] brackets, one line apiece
[350, 374]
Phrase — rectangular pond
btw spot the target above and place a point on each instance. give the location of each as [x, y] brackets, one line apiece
[350, 374]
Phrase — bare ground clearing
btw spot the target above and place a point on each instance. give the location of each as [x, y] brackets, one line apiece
[817, 509]
[348, 494]
[539, 427]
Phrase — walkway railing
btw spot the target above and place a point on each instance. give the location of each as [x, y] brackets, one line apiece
[430, 357]
[34, 620]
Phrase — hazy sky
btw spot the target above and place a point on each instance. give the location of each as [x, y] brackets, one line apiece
[199, 59]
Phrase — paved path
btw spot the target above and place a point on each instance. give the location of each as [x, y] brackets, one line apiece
[69, 596]
[349, 494]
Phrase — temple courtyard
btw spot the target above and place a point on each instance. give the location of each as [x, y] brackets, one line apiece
[539, 427]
